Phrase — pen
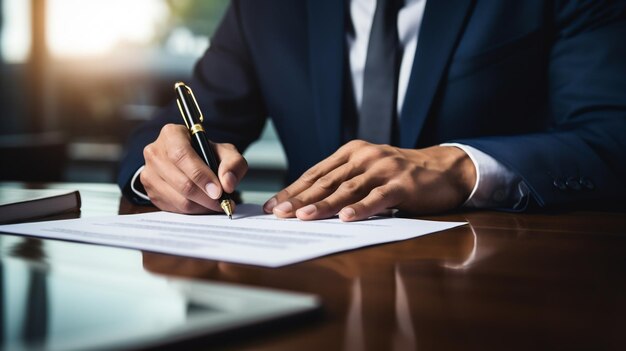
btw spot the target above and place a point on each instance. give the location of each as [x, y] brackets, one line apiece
[190, 110]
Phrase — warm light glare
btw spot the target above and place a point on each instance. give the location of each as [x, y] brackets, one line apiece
[95, 27]
[15, 35]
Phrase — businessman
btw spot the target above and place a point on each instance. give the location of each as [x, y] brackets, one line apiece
[423, 106]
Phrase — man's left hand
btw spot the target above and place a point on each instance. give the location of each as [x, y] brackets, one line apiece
[361, 180]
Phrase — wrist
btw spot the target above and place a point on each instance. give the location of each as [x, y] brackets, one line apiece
[452, 163]
[460, 169]
[455, 166]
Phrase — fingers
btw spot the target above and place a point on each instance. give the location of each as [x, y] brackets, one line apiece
[233, 166]
[357, 179]
[336, 180]
[377, 201]
[182, 184]
[167, 198]
[307, 180]
[325, 178]
[365, 189]
[181, 154]
[180, 180]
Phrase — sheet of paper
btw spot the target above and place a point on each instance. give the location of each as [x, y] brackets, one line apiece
[252, 237]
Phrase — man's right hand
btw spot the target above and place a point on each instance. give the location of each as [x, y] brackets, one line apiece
[177, 180]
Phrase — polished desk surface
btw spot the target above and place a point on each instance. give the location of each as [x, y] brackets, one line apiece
[505, 281]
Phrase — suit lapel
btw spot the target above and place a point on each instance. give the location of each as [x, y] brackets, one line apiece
[326, 55]
[441, 27]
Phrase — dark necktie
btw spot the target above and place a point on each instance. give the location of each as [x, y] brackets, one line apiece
[380, 79]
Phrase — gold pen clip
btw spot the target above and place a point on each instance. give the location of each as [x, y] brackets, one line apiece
[193, 97]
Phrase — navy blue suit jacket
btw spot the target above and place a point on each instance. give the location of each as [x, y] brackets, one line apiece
[539, 85]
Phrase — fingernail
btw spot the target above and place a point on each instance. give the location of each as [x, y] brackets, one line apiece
[307, 210]
[230, 179]
[348, 212]
[269, 205]
[213, 191]
[285, 207]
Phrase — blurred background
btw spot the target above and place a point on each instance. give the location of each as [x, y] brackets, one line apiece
[76, 77]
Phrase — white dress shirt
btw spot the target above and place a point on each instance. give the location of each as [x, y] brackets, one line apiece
[496, 186]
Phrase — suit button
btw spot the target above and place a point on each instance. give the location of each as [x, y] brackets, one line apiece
[587, 183]
[559, 184]
[573, 183]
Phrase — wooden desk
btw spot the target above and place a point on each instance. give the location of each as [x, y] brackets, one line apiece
[506, 281]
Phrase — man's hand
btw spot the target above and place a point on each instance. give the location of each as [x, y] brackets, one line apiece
[363, 179]
[176, 178]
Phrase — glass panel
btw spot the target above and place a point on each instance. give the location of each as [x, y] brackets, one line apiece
[56, 295]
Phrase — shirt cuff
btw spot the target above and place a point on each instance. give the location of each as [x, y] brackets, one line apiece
[135, 185]
[496, 185]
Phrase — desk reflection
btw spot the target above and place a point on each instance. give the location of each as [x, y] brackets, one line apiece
[368, 290]
[34, 327]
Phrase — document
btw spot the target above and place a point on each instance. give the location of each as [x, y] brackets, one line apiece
[251, 237]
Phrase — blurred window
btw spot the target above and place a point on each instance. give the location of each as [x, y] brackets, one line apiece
[15, 33]
[79, 28]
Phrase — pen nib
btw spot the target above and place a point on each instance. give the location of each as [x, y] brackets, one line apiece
[227, 206]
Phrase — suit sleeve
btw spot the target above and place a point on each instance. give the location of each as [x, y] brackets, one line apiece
[581, 159]
[224, 82]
